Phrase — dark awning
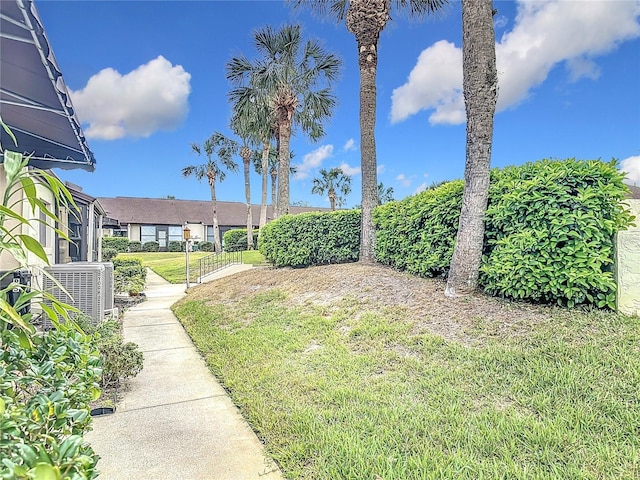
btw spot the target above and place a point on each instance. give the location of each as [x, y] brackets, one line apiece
[34, 100]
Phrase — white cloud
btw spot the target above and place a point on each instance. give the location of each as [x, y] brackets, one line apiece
[350, 145]
[349, 170]
[421, 188]
[631, 166]
[380, 169]
[313, 160]
[152, 97]
[404, 180]
[545, 34]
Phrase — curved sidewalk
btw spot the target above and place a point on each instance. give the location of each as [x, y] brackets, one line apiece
[175, 420]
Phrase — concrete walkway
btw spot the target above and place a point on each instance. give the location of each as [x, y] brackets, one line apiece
[175, 421]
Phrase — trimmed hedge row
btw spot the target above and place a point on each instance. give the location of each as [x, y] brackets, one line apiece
[312, 239]
[120, 244]
[235, 240]
[549, 231]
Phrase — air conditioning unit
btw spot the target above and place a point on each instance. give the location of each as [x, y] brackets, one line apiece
[109, 305]
[85, 285]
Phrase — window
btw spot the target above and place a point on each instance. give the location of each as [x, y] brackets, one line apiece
[147, 233]
[210, 233]
[175, 234]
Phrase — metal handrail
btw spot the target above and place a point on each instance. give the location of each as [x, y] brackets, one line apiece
[217, 261]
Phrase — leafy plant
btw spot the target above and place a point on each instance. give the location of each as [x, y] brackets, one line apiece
[235, 240]
[134, 246]
[151, 246]
[120, 244]
[205, 246]
[129, 275]
[312, 239]
[46, 380]
[109, 254]
[176, 246]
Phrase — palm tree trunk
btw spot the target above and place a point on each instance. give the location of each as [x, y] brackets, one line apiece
[366, 19]
[265, 176]
[217, 245]
[274, 186]
[284, 157]
[480, 85]
[246, 160]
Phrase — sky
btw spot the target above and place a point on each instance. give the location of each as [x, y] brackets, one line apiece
[147, 80]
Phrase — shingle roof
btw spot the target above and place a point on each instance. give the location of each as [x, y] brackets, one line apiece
[162, 211]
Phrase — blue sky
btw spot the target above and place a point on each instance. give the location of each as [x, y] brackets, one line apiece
[147, 80]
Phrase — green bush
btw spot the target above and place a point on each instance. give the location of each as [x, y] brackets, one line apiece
[129, 275]
[109, 254]
[134, 246]
[418, 234]
[550, 232]
[235, 240]
[45, 391]
[120, 360]
[312, 239]
[206, 246]
[151, 247]
[120, 244]
[176, 246]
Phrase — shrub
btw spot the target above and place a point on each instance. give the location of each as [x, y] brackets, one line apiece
[129, 275]
[45, 391]
[418, 234]
[206, 246]
[176, 246]
[235, 240]
[135, 246]
[120, 360]
[550, 232]
[151, 247]
[312, 239]
[109, 254]
[120, 244]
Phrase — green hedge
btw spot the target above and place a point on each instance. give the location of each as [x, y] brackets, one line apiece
[129, 275]
[206, 246]
[176, 246]
[109, 254]
[549, 231]
[119, 244]
[151, 246]
[312, 239]
[235, 240]
[135, 246]
[418, 234]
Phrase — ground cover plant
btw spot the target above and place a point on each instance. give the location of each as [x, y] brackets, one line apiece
[171, 265]
[363, 372]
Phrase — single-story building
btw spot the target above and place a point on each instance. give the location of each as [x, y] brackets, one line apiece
[162, 220]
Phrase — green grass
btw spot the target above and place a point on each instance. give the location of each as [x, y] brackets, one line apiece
[339, 392]
[172, 265]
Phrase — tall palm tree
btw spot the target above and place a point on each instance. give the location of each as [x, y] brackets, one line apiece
[480, 88]
[335, 183]
[243, 125]
[219, 153]
[294, 80]
[366, 19]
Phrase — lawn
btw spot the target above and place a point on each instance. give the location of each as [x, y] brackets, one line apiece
[172, 265]
[361, 372]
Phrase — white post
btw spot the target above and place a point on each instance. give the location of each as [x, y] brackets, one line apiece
[186, 248]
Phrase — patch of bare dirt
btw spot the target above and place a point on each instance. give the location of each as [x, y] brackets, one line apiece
[377, 287]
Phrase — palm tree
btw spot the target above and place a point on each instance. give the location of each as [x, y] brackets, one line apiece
[294, 80]
[335, 183]
[243, 125]
[480, 88]
[384, 194]
[366, 19]
[215, 146]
